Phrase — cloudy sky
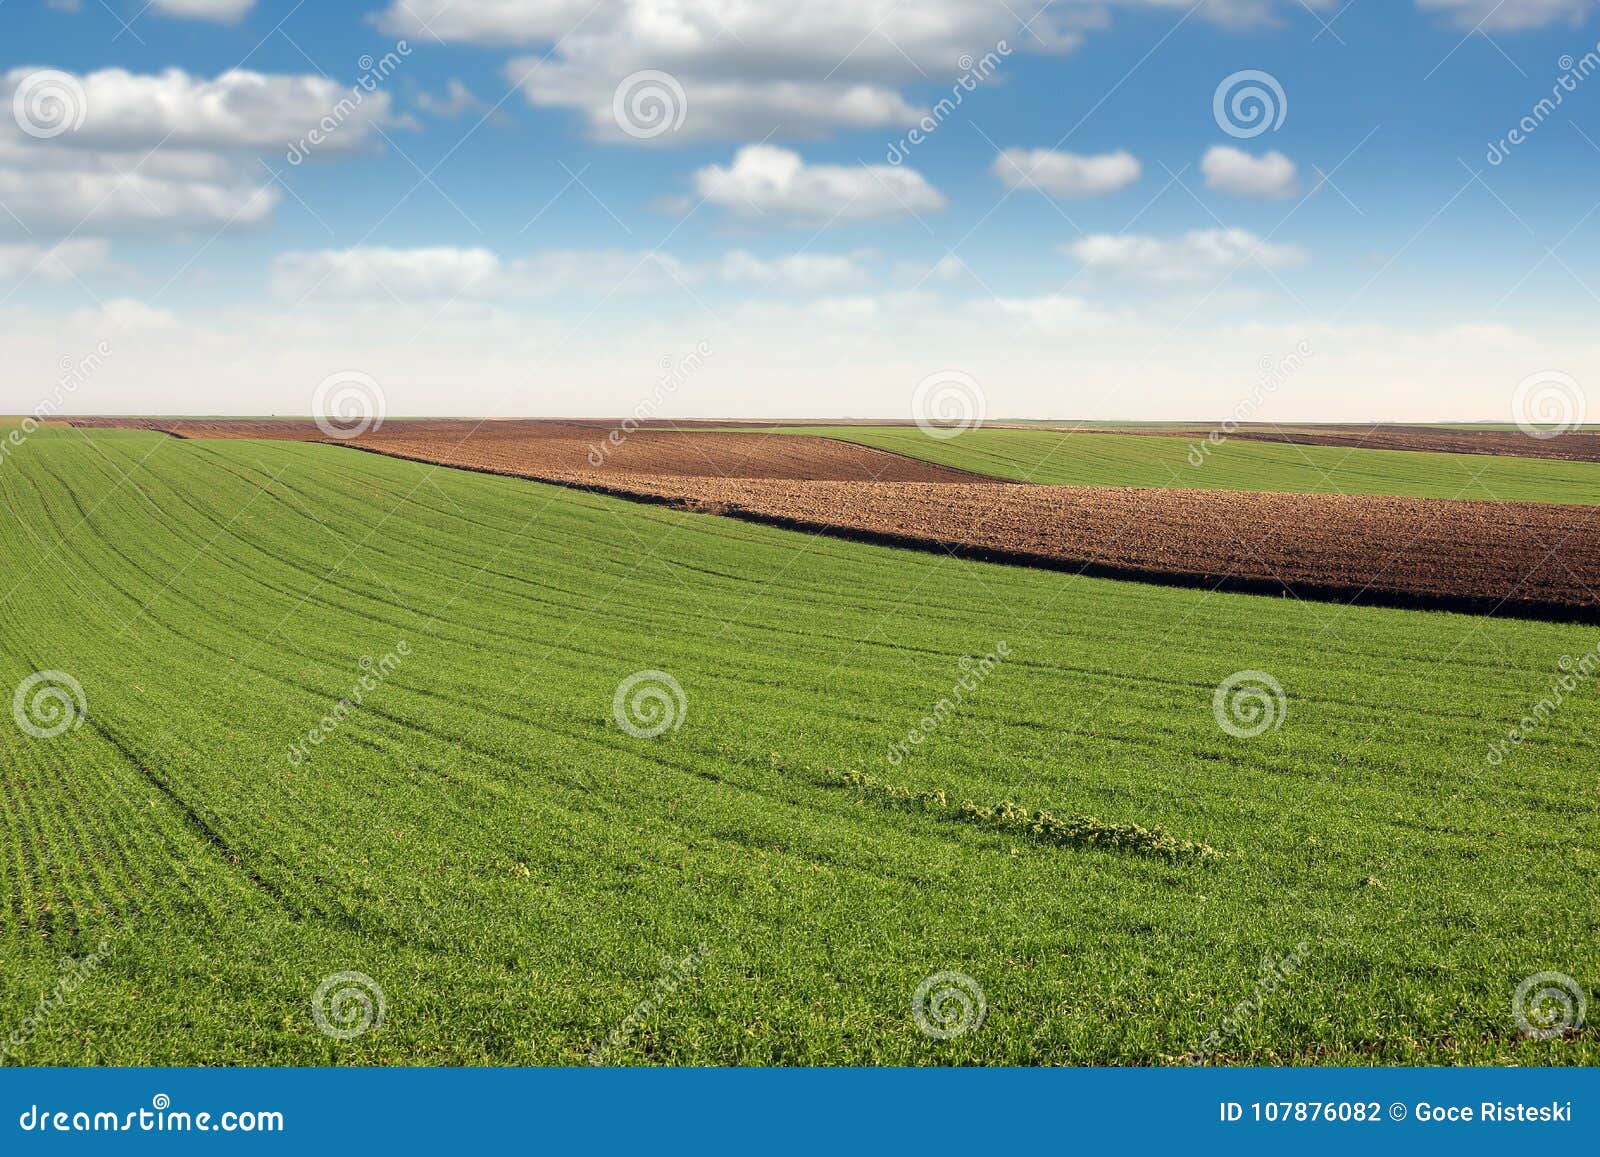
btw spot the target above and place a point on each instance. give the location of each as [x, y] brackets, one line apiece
[1090, 209]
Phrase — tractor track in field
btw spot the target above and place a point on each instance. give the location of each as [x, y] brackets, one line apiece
[1512, 559]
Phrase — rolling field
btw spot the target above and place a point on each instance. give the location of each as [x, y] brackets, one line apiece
[1098, 459]
[777, 872]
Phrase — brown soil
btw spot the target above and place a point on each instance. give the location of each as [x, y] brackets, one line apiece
[1579, 447]
[574, 450]
[1524, 559]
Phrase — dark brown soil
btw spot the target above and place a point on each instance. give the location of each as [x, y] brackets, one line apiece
[1507, 558]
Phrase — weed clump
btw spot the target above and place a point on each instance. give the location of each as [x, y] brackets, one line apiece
[1039, 826]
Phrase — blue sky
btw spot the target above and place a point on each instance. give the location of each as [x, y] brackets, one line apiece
[1082, 236]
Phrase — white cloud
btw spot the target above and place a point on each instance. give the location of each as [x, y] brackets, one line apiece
[764, 180]
[1055, 312]
[458, 99]
[746, 69]
[439, 271]
[221, 11]
[167, 151]
[1510, 15]
[811, 272]
[122, 313]
[720, 109]
[857, 355]
[443, 272]
[1229, 170]
[53, 263]
[124, 111]
[1067, 174]
[1197, 256]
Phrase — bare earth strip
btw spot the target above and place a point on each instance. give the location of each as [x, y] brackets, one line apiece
[1523, 559]
[1571, 447]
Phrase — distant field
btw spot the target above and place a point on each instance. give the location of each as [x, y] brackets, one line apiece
[1096, 459]
[483, 840]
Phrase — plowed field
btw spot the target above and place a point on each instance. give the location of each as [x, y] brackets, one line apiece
[1509, 558]
[1576, 447]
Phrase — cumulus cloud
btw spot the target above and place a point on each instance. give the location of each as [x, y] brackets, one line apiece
[1055, 312]
[236, 110]
[53, 263]
[1066, 174]
[443, 272]
[1196, 256]
[221, 11]
[125, 314]
[745, 69]
[1229, 170]
[1510, 15]
[458, 99]
[810, 272]
[765, 180]
[437, 271]
[116, 150]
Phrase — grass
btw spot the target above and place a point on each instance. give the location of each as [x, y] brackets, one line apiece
[482, 838]
[1096, 459]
